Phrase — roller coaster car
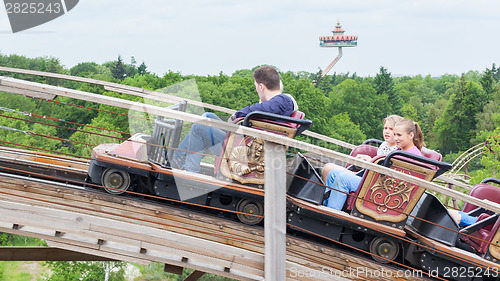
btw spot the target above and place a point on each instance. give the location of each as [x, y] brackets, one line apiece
[142, 164]
[374, 221]
[483, 236]
[473, 247]
[242, 157]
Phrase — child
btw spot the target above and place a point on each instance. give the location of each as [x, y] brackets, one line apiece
[387, 146]
[408, 136]
[343, 181]
[389, 143]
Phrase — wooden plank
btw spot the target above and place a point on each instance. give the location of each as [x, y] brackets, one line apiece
[173, 269]
[41, 170]
[25, 92]
[107, 232]
[112, 242]
[329, 140]
[45, 158]
[101, 228]
[164, 97]
[311, 253]
[97, 252]
[91, 229]
[77, 161]
[84, 198]
[164, 255]
[141, 107]
[194, 276]
[158, 215]
[275, 211]
[45, 254]
[318, 257]
[45, 234]
[455, 182]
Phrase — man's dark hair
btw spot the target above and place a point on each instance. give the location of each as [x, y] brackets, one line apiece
[268, 76]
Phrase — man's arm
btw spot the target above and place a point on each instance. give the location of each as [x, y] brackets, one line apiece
[280, 104]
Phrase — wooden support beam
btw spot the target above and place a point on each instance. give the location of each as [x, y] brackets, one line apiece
[173, 269]
[45, 254]
[195, 275]
[274, 212]
[25, 92]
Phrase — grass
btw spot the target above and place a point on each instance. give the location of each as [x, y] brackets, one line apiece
[12, 271]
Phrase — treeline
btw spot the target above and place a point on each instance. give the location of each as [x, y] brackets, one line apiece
[455, 112]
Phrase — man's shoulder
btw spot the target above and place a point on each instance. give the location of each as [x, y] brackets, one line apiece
[288, 100]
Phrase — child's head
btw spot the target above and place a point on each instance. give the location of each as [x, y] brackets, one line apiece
[407, 134]
[388, 131]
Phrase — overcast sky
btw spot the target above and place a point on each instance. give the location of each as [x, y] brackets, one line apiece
[203, 37]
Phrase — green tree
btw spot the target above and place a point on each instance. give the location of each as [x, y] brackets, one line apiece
[488, 83]
[326, 83]
[435, 112]
[489, 118]
[84, 271]
[385, 85]
[496, 72]
[310, 99]
[410, 112]
[364, 106]
[131, 69]
[408, 87]
[341, 127]
[84, 69]
[118, 69]
[456, 127]
[142, 69]
[443, 84]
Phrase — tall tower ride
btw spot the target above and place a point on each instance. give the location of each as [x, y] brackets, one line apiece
[338, 39]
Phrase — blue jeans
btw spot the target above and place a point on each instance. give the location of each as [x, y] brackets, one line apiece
[340, 180]
[465, 219]
[199, 138]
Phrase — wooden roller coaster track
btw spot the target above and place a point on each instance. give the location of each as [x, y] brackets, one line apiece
[82, 220]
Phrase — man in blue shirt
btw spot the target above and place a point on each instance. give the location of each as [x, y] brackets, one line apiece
[267, 84]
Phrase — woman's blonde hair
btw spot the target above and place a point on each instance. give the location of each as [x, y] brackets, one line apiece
[412, 127]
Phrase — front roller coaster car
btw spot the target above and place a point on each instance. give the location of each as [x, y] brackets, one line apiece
[141, 164]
